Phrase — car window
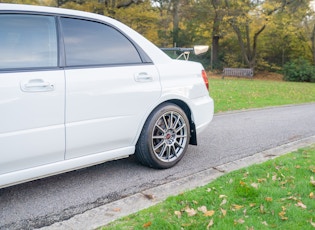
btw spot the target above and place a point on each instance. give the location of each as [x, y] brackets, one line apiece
[93, 43]
[27, 41]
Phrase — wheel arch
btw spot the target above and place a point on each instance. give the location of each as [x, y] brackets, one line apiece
[186, 109]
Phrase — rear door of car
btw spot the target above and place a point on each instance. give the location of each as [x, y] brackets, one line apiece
[109, 87]
[32, 97]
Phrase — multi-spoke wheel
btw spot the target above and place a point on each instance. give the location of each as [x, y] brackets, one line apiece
[164, 138]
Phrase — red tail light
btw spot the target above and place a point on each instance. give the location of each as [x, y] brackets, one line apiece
[205, 78]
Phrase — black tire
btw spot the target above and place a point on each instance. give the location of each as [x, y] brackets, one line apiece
[164, 138]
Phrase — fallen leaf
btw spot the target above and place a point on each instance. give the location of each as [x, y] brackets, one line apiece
[252, 205]
[312, 196]
[262, 209]
[312, 223]
[268, 199]
[210, 224]
[223, 202]
[254, 185]
[236, 206]
[222, 196]
[312, 181]
[245, 211]
[300, 204]
[178, 214]
[117, 209]
[250, 228]
[223, 211]
[274, 177]
[148, 224]
[239, 221]
[148, 196]
[264, 223]
[190, 211]
[202, 209]
[209, 213]
[281, 214]
[242, 183]
[209, 189]
[261, 180]
[297, 166]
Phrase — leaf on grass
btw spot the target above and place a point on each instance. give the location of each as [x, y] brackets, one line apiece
[148, 224]
[265, 223]
[223, 202]
[222, 196]
[236, 206]
[252, 205]
[242, 183]
[190, 211]
[268, 199]
[274, 177]
[223, 211]
[297, 166]
[254, 185]
[262, 209]
[312, 196]
[209, 213]
[209, 189]
[178, 214]
[210, 224]
[312, 223]
[300, 204]
[239, 221]
[312, 181]
[261, 180]
[282, 215]
[202, 209]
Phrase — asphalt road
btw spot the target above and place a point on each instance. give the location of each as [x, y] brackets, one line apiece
[230, 136]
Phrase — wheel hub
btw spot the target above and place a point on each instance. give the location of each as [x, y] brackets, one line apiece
[169, 137]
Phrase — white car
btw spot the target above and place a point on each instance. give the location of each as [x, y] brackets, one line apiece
[78, 89]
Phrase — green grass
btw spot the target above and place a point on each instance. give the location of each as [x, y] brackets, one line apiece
[236, 94]
[274, 195]
[277, 194]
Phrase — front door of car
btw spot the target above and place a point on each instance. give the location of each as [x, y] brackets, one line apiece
[32, 97]
[109, 88]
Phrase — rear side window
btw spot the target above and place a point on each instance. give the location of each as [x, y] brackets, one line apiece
[27, 41]
[93, 43]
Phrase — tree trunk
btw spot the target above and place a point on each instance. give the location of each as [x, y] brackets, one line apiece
[175, 21]
[215, 34]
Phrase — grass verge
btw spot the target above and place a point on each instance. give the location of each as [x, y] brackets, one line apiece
[236, 94]
[277, 194]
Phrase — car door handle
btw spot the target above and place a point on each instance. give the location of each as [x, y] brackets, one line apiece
[143, 77]
[37, 85]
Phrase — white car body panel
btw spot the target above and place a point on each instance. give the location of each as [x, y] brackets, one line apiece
[91, 115]
[29, 134]
[106, 105]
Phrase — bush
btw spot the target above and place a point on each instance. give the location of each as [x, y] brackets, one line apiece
[299, 70]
